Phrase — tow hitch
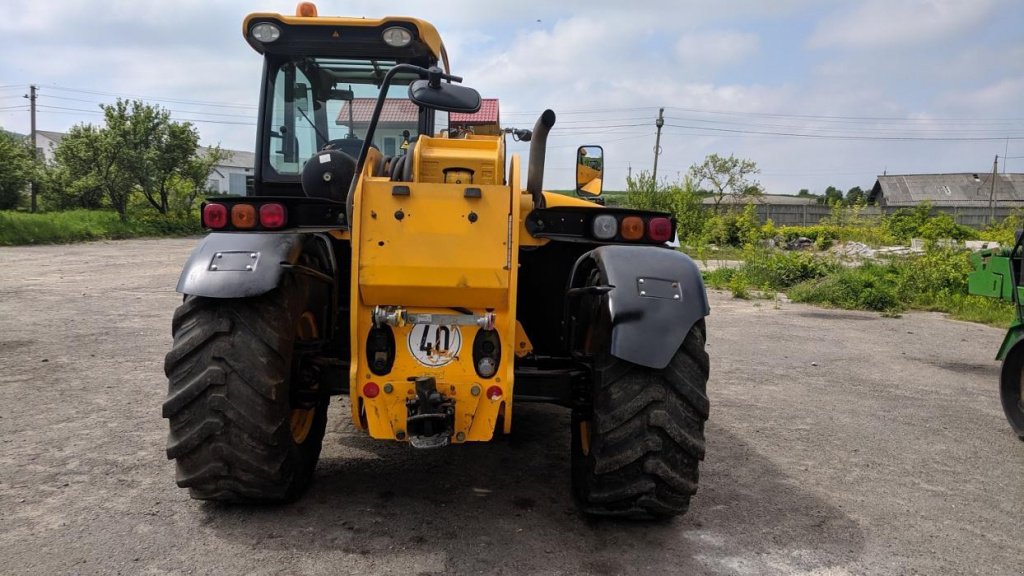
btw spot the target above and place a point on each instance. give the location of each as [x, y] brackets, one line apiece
[431, 418]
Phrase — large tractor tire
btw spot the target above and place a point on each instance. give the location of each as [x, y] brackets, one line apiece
[247, 416]
[1010, 390]
[636, 451]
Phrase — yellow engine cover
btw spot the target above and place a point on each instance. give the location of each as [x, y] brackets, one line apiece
[428, 247]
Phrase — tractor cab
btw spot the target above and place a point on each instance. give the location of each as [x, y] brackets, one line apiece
[321, 79]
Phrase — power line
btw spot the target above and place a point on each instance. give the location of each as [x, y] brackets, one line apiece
[55, 110]
[218, 114]
[154, 98]
[827, 117]
[851, 137]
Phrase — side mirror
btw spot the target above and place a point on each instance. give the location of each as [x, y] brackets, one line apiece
[444, 97]
[589, 171]
[338, 94]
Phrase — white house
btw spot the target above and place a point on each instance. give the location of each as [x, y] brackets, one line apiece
[230, 174]
[46, 143]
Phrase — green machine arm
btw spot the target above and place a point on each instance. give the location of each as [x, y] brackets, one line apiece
[994, 276]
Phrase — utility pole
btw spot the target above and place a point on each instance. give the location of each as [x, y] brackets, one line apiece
[32, 111]
[629, 171]
[657, 144]
[992, 193]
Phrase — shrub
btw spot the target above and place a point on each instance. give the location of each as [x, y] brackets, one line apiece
[868, 287]
[777, 270]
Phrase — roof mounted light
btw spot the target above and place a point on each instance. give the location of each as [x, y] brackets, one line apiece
[305, 10]
[265, 32]
[397, 37]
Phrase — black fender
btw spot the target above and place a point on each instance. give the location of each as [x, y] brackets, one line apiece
[656, 296]
[239, 265]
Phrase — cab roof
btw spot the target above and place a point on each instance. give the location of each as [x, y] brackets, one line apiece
[329, 31]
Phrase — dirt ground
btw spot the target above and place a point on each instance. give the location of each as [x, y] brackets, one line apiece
[839, 443]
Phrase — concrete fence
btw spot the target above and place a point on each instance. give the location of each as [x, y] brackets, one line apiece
[810, 214]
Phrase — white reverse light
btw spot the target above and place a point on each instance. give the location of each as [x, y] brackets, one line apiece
[397, 37]
[605, 227]
[265, 32]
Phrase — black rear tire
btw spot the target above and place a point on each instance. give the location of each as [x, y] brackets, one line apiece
[1010, 390]
[232, 395]
[636, 452]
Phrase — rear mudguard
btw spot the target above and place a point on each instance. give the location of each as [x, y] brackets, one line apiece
[1014, 335]
[239, 265]
[657, 295]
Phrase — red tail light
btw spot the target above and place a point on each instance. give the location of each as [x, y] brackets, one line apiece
[215, 216]
[371, 390]
[659, 230]
[494, 393]
[273, 215]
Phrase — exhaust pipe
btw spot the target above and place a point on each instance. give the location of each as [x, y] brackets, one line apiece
[538, 149]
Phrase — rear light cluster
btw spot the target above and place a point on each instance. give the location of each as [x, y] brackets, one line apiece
[631, 228]
[244, 216]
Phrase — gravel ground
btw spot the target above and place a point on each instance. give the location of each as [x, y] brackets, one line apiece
[839, 443]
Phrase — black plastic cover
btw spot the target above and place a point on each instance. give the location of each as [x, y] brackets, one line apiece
[237, 265]
[648, 324]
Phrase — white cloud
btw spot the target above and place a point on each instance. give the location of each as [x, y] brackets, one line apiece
[605, 67]
[707, 51]
[884, 24]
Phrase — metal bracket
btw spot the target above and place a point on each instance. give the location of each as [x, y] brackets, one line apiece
[397, 316]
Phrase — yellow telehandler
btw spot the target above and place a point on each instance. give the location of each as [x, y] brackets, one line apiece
[384, 257]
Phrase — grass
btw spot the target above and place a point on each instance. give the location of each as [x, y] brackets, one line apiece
[706, 253]
[20, 228]
[935, 281]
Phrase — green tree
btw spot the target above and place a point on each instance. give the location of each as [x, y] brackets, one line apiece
[154, 150]
[723, 177]
[82, 171]
[687, 206]
[195, 175]
[855, 195]
[833, 196]
[89, 167]
[17, 169]
[139, 148]
[643, 193]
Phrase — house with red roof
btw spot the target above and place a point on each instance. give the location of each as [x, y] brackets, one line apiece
[399, 115]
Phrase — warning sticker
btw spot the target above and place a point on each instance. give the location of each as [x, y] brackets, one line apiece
[435, 345]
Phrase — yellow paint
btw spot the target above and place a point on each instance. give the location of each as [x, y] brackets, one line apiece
[585, 175]
[483, 156]
[593, 187]
[436, 257]
[523, 344]
[300, 421]
[425, 30]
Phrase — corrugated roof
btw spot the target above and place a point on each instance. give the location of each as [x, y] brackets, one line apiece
[488, 114]
[54, 137]
[961, 189]
[395, 110]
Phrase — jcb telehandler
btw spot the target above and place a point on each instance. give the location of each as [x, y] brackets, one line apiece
[416, 275]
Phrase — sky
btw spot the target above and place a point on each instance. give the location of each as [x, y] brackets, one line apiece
[816, 92]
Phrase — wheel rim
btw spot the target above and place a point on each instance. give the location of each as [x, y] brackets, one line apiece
[301, 419]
